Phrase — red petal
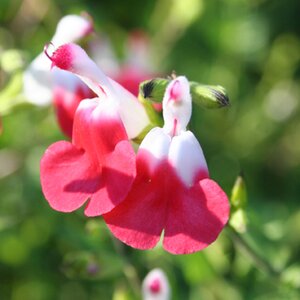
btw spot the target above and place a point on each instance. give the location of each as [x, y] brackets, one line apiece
[103, 170]
[118, 174]
[196, 216]
[67, 177]
[66, 102]
[138, 221]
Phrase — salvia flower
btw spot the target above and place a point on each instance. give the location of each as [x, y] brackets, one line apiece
[172, 191]
[73, 58]
[38, 80]
[98, 166]
[156, 286]
[64, 89]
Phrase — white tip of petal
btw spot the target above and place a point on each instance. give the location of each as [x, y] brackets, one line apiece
[156, 143]
[73, 58]
[186, 156]
[156, 286]
[71, 28]
[177, 105]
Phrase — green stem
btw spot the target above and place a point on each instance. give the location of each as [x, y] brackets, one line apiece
[129, 270]
[260, 262]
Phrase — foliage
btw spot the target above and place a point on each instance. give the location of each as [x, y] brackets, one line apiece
[252, 48]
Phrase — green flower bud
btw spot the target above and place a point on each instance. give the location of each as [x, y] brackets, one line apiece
[238, 201]
[154, 89]
[207, 96]
[238, 220]
[239, 194]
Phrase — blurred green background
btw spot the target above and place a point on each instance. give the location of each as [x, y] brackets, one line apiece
[252, 48]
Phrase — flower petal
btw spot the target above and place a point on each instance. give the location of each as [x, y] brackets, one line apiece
[177, 105]
[138, 221]
[186, 157]
[67, 177]
[118, 174]
[116, 157]
[72, 28]
[196, 216]
[68, 91]
[154, 148]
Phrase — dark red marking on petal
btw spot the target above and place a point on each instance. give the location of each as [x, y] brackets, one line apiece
[63, 57]
[155, 286]
[102, 90]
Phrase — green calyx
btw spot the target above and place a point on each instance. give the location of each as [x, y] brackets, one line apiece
[207, 96]
[238, 201]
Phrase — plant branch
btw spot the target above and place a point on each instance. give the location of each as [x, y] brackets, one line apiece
[260, 262]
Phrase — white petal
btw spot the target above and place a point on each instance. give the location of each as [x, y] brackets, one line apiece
[71, 28]
[156, 286]
[131, 110]
[177, 104]
[186, 156]
[156, 144]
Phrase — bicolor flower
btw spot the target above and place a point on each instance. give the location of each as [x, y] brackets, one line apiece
[98, 166]
[172, 192]
[38, 79]
[156, 286]
[72, 58]
[41, 86]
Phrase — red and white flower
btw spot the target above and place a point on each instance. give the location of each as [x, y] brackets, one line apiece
[38, 80]
[42, 86]
[156, 286]
[99, 164]
[73, 58]
[172, 192]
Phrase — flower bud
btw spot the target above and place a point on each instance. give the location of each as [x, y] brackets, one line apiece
[239, 194]
[154, 89]
[156, 286]
[238, 201]
[207, 96]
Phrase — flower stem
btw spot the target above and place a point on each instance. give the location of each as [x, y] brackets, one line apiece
[260, 262]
